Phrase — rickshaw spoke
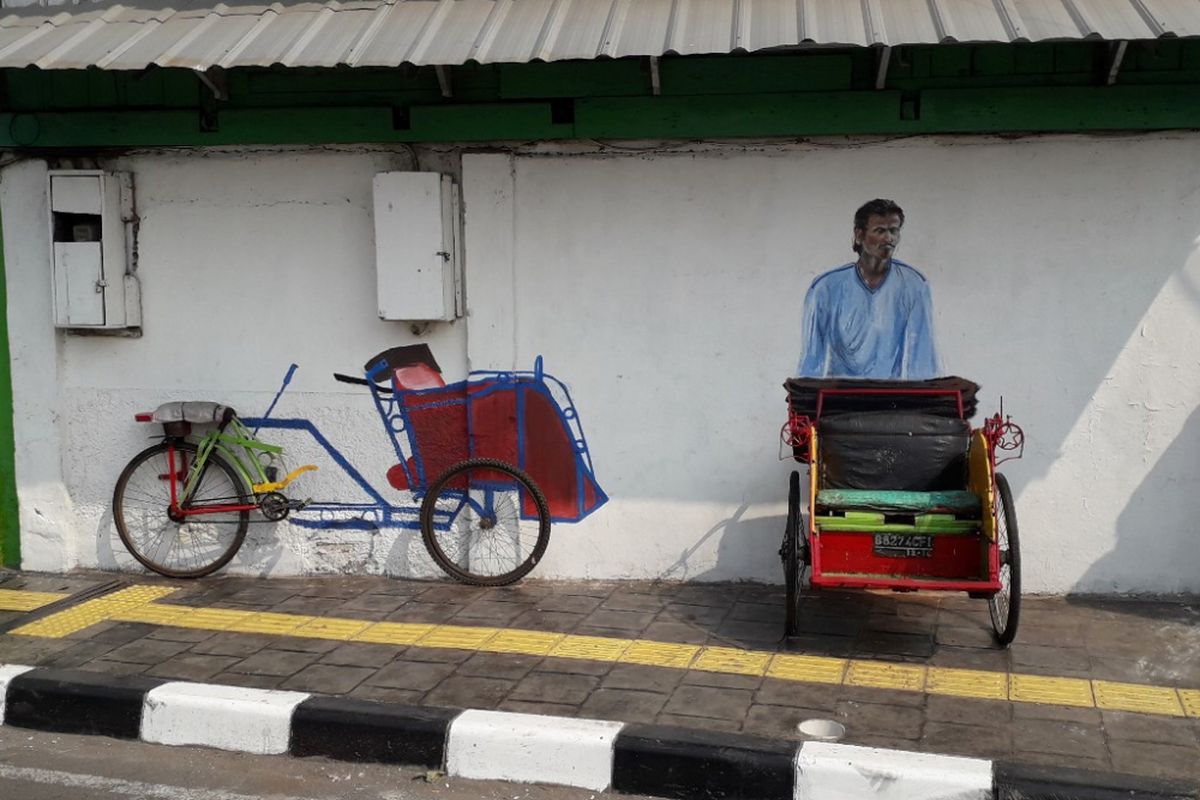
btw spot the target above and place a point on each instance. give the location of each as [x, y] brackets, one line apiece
[474, 523]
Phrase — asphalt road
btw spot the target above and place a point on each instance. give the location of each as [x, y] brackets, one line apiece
[46, 766]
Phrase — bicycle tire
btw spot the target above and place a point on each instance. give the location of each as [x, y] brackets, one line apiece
[793, 558]
[453, 500]
[142, 486]
[1005, 606]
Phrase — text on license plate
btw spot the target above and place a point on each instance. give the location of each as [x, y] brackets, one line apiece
[904, 545]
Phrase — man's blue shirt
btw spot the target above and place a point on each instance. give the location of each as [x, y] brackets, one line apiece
[851, 331]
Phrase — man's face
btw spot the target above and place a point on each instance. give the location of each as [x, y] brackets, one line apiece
[881, 237]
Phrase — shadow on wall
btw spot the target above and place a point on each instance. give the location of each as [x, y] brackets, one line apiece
[744, 547]
[1176, 474]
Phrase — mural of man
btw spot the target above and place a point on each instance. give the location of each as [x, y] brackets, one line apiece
[871, 318]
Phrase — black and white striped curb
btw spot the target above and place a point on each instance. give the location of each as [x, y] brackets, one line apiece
[592, 754]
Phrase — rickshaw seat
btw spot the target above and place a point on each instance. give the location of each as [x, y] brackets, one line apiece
[902, 451]
[893, 501]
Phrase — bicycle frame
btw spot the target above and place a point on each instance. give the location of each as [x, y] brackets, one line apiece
[228, 444]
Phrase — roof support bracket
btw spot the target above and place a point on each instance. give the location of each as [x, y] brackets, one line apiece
[215, 83]
[443, 76]
[655, 79]
[1116, 54]
[885, 57]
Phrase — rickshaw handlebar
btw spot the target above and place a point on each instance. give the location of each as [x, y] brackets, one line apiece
[337, 376]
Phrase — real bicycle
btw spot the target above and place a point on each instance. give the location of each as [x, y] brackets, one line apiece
[182, 506]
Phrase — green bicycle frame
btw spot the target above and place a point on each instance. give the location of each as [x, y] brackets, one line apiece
[234, 440]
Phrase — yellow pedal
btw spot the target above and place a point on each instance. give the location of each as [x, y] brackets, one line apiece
[260, 488]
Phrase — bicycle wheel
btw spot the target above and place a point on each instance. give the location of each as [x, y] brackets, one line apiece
[1005, 605]
[485, 523]
[792, 553]
[169, 544]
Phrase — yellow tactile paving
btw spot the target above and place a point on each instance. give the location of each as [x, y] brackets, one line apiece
[20, 600]
[1191, 701]
[732, 661]
[395, 633]
[531, 643]
[92, 612]
[967, 683]
[1159, 700]
[591, 648]
[882, 675]
[660, 654]
[212, 619]
[342, 630]
[138, 604]
[270, 623]
[809, 669]
[456, 637]
[1050, 691]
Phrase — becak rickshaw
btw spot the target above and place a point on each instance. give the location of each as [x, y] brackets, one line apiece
[903, 493]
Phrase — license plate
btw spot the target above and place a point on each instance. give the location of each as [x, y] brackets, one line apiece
[904, 545]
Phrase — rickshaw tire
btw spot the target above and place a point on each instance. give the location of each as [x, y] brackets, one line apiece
[428, 533]
[793, 560]
[215, 460]
[1006, 630]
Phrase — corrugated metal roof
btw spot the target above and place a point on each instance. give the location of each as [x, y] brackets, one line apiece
[199, 34]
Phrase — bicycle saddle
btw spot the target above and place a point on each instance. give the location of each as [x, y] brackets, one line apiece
[190, 411]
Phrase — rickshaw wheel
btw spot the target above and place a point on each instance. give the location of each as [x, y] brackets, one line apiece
[793, 558]
[485, 522]
[1005, 605]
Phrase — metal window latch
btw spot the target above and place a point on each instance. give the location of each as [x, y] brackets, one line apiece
[100, 286]
[445, 256]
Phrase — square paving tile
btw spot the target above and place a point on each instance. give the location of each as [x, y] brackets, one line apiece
[118, 668]
[487, 612]
[281, 663]
[635, 676]
[192, 667]
[369, 606]
[384, 694]
[702, 723]
[706, 701]
[877, 719]
[469, 692]
[232, 644]
[549, 621]
[555, 687]
[1124, 726]
[361, 654]
[626, 622]
[779, 721]
[1062, 738]
[412, 675]
[499, 665]
[967, 740]
[327, 679]
[248, 680]
[623, 705]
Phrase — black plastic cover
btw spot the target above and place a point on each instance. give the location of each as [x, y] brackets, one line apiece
[897, 450]
[802, 396]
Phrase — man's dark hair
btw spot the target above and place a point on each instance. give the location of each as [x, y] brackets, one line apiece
[877, 207]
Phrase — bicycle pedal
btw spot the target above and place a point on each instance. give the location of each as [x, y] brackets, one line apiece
[299, 505]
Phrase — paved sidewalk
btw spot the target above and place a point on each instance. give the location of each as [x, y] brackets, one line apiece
[901, 671]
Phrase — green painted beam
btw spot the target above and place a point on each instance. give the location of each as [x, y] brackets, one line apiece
[10, 527]
[999, 110]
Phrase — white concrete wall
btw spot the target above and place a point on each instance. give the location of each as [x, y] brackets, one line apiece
[665, 286]
[249, 261]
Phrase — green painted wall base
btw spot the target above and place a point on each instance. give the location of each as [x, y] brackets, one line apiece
[10, 531]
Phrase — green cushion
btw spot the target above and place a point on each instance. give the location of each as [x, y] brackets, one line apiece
[874, 522]
[959, 501]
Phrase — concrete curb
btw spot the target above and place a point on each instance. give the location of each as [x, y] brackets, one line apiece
[592, 754]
